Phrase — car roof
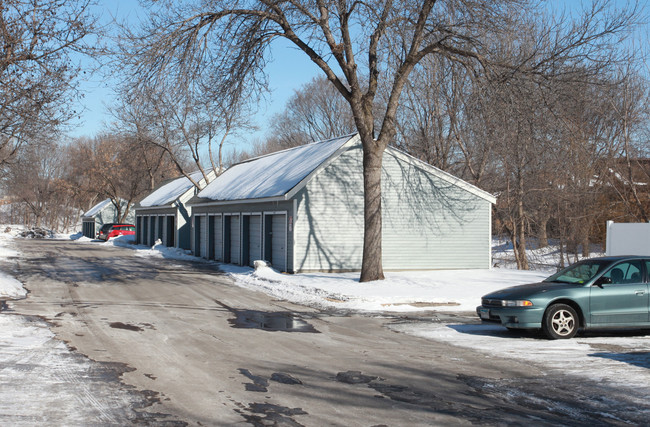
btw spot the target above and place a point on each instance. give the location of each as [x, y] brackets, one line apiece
[617, 258]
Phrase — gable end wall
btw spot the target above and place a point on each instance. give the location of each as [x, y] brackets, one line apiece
[427, 222]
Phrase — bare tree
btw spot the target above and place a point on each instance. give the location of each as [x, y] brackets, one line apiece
[315, 112]
[111, 166]
[37, 39]
[362, 48]
[33, 183]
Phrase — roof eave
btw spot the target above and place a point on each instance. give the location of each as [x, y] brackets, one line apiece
[454, 180]
[296, 188]
[281, 198]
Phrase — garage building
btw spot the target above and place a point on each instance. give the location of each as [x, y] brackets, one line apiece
[162, 215]
[302, 210]
[102, 213]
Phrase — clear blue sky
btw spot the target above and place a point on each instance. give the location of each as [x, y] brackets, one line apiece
[289, 70]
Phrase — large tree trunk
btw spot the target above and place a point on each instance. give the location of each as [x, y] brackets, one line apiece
[371, 266]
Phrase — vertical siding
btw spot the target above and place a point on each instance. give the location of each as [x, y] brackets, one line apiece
[235, 240]
[218, 237]
[279, 242]
[204, 237]
[255, 239]
[428, 223]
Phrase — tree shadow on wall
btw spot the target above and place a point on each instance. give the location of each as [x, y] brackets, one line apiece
[413, 201]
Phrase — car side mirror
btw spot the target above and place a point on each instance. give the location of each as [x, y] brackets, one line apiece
[603, 281]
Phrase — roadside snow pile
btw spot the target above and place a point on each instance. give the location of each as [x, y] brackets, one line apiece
[10, 288]
[441, 290]
[124, 241]
[158, 250]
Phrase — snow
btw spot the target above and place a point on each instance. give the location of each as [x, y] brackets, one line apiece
[10, 288]
[272, 175]
[97, 208]
[617, 358]
[440, 290]
[171, 191]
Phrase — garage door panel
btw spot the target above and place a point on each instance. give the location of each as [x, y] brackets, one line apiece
[278, 242]
[235, 243]
[218, 238]
[255, 239]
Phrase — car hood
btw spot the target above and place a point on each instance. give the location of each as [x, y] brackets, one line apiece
[526, 291]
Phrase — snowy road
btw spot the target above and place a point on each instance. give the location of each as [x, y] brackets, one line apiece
[191, 345]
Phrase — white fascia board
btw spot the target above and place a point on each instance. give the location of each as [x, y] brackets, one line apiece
[352, 141]
[237, 202]
[203, 183]
[185, 197]
[147, 208]
[446, 176]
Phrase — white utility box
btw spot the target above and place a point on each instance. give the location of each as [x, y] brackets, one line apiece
[628, 238]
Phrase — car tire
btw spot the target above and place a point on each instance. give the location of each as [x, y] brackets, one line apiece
[560, 322]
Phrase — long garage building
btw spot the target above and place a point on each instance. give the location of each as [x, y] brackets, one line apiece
[301, 209]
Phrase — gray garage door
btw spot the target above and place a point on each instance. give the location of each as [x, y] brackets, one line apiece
[218, 237]
[235, 243]
[275, 240]
[255, 239]
[199, 236]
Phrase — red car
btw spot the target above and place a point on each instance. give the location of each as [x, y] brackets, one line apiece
[113, 230]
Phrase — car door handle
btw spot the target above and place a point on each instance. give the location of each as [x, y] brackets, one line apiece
[640, 292]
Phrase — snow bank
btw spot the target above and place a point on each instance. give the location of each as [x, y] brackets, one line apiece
[10, 288]
[441, 290]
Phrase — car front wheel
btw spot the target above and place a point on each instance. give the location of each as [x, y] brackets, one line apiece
[560, 322]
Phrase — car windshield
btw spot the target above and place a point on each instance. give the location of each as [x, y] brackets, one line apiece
[581, 272]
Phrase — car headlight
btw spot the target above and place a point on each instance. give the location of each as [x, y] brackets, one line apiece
[517, 303]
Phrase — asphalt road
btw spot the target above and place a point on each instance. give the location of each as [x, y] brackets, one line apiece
[187, 346]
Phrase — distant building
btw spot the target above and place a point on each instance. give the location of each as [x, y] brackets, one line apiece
[162, 215]
[302, 210]
[102, 213]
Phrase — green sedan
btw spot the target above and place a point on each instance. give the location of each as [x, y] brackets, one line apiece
[607, 292]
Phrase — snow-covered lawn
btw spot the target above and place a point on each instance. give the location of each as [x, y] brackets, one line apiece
[440, 290]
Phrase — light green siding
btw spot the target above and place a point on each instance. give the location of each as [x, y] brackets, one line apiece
[329, 223]
[428, 222]
[108, 214]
